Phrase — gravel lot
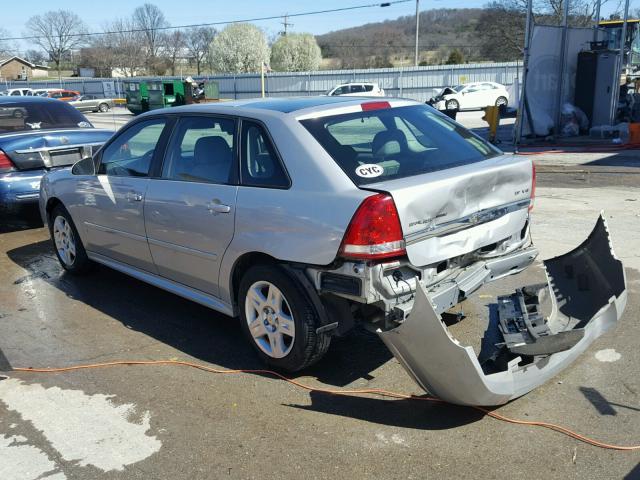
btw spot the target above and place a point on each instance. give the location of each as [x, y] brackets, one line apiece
[153, 422]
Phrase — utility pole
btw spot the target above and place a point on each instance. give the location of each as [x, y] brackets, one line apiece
[286, 24]
[417, 30]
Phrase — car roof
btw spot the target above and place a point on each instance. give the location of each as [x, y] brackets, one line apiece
[283, 105]
[28, 99]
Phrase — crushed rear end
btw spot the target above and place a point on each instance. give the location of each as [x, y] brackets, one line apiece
[587, 289]
[449, 213]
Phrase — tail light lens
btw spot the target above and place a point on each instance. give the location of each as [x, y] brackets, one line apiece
[6, 165]
[533, 185]
[374, 231]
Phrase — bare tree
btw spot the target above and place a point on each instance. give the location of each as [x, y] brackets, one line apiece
[150, 19]
[57, 32]
[174, 45]
[35, 56]
[123, 48]
[198, 42]
[6, 48]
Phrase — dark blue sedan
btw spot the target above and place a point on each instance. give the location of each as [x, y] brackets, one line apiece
[37, 135]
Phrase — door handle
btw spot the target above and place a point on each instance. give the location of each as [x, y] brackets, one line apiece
[215, 207]
[134, 197]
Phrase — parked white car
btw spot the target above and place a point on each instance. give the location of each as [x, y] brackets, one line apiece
[16, 92]
[357, 89]
[471, 96]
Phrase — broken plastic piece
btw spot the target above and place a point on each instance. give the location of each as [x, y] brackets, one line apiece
[587, 287]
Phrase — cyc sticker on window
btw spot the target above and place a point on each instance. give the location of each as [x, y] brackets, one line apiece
[369, 170]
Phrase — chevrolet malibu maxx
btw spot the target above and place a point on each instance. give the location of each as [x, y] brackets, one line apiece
[304, 216]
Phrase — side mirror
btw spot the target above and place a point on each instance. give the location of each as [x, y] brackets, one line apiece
[84, 167]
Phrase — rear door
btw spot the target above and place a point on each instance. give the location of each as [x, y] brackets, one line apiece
[190, 209]
[113, 200]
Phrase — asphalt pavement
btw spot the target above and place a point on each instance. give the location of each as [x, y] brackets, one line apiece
[159, 422]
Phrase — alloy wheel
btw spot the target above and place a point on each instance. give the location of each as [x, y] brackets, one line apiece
[64, 240]
[270, 319]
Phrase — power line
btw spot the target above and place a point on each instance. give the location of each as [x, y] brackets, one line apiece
[211, 24]
[434, 45]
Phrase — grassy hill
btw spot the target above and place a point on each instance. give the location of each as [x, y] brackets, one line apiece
[391, 43]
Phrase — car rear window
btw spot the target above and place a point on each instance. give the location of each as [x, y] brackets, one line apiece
[390, 143]
[31, 115]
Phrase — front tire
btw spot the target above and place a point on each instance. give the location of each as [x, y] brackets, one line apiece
[501, 102]
[452, 105]
[66, 242]
[103, 107]
[279, 319]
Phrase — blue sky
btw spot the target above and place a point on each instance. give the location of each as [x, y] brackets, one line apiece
[96, 12]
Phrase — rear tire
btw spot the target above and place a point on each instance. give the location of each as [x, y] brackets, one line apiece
[501, 101]
[67, 244]
[279, 319]
[103, 107]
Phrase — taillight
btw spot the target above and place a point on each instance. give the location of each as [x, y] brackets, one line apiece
[374, 231]
[6, 165]
[533, 185]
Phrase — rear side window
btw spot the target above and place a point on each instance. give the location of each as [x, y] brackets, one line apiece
[26, 114]
[368, 88]
[393, 143]
[202, 150]
[260, 166]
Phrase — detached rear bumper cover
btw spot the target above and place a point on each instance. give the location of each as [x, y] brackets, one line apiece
[588, 294]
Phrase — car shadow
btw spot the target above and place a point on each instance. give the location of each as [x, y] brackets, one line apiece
[211, 337]
[410, 413]
[24, 218]
[187, 326]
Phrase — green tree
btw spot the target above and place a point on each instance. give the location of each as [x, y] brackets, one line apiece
[298, 52]
[455, 57]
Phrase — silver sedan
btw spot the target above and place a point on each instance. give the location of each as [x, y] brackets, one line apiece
[304, 216]
[92, 103]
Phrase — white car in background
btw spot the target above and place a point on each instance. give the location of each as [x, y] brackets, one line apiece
[356, 89]
[16, 92]
[471, 96]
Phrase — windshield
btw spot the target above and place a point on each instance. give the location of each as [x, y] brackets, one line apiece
[31, 115]
[458, 88]
[398, 142]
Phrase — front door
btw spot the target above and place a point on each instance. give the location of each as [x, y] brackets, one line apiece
[113, 200]
[189, 212]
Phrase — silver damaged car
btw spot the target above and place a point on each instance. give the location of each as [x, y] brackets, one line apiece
[304, 216]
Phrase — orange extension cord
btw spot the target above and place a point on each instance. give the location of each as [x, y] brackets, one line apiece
[379, 392]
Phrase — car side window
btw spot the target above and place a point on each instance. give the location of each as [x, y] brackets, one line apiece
[260, 166]
[357, 88]
[202, 150]
[130, 154]
[368, 88]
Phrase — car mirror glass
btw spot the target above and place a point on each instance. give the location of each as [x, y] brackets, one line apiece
[84, 167]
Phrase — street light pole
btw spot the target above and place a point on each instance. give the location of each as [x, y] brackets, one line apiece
[417, 30]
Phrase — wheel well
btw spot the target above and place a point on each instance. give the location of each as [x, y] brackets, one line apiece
[243, 264]
[51, 204]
